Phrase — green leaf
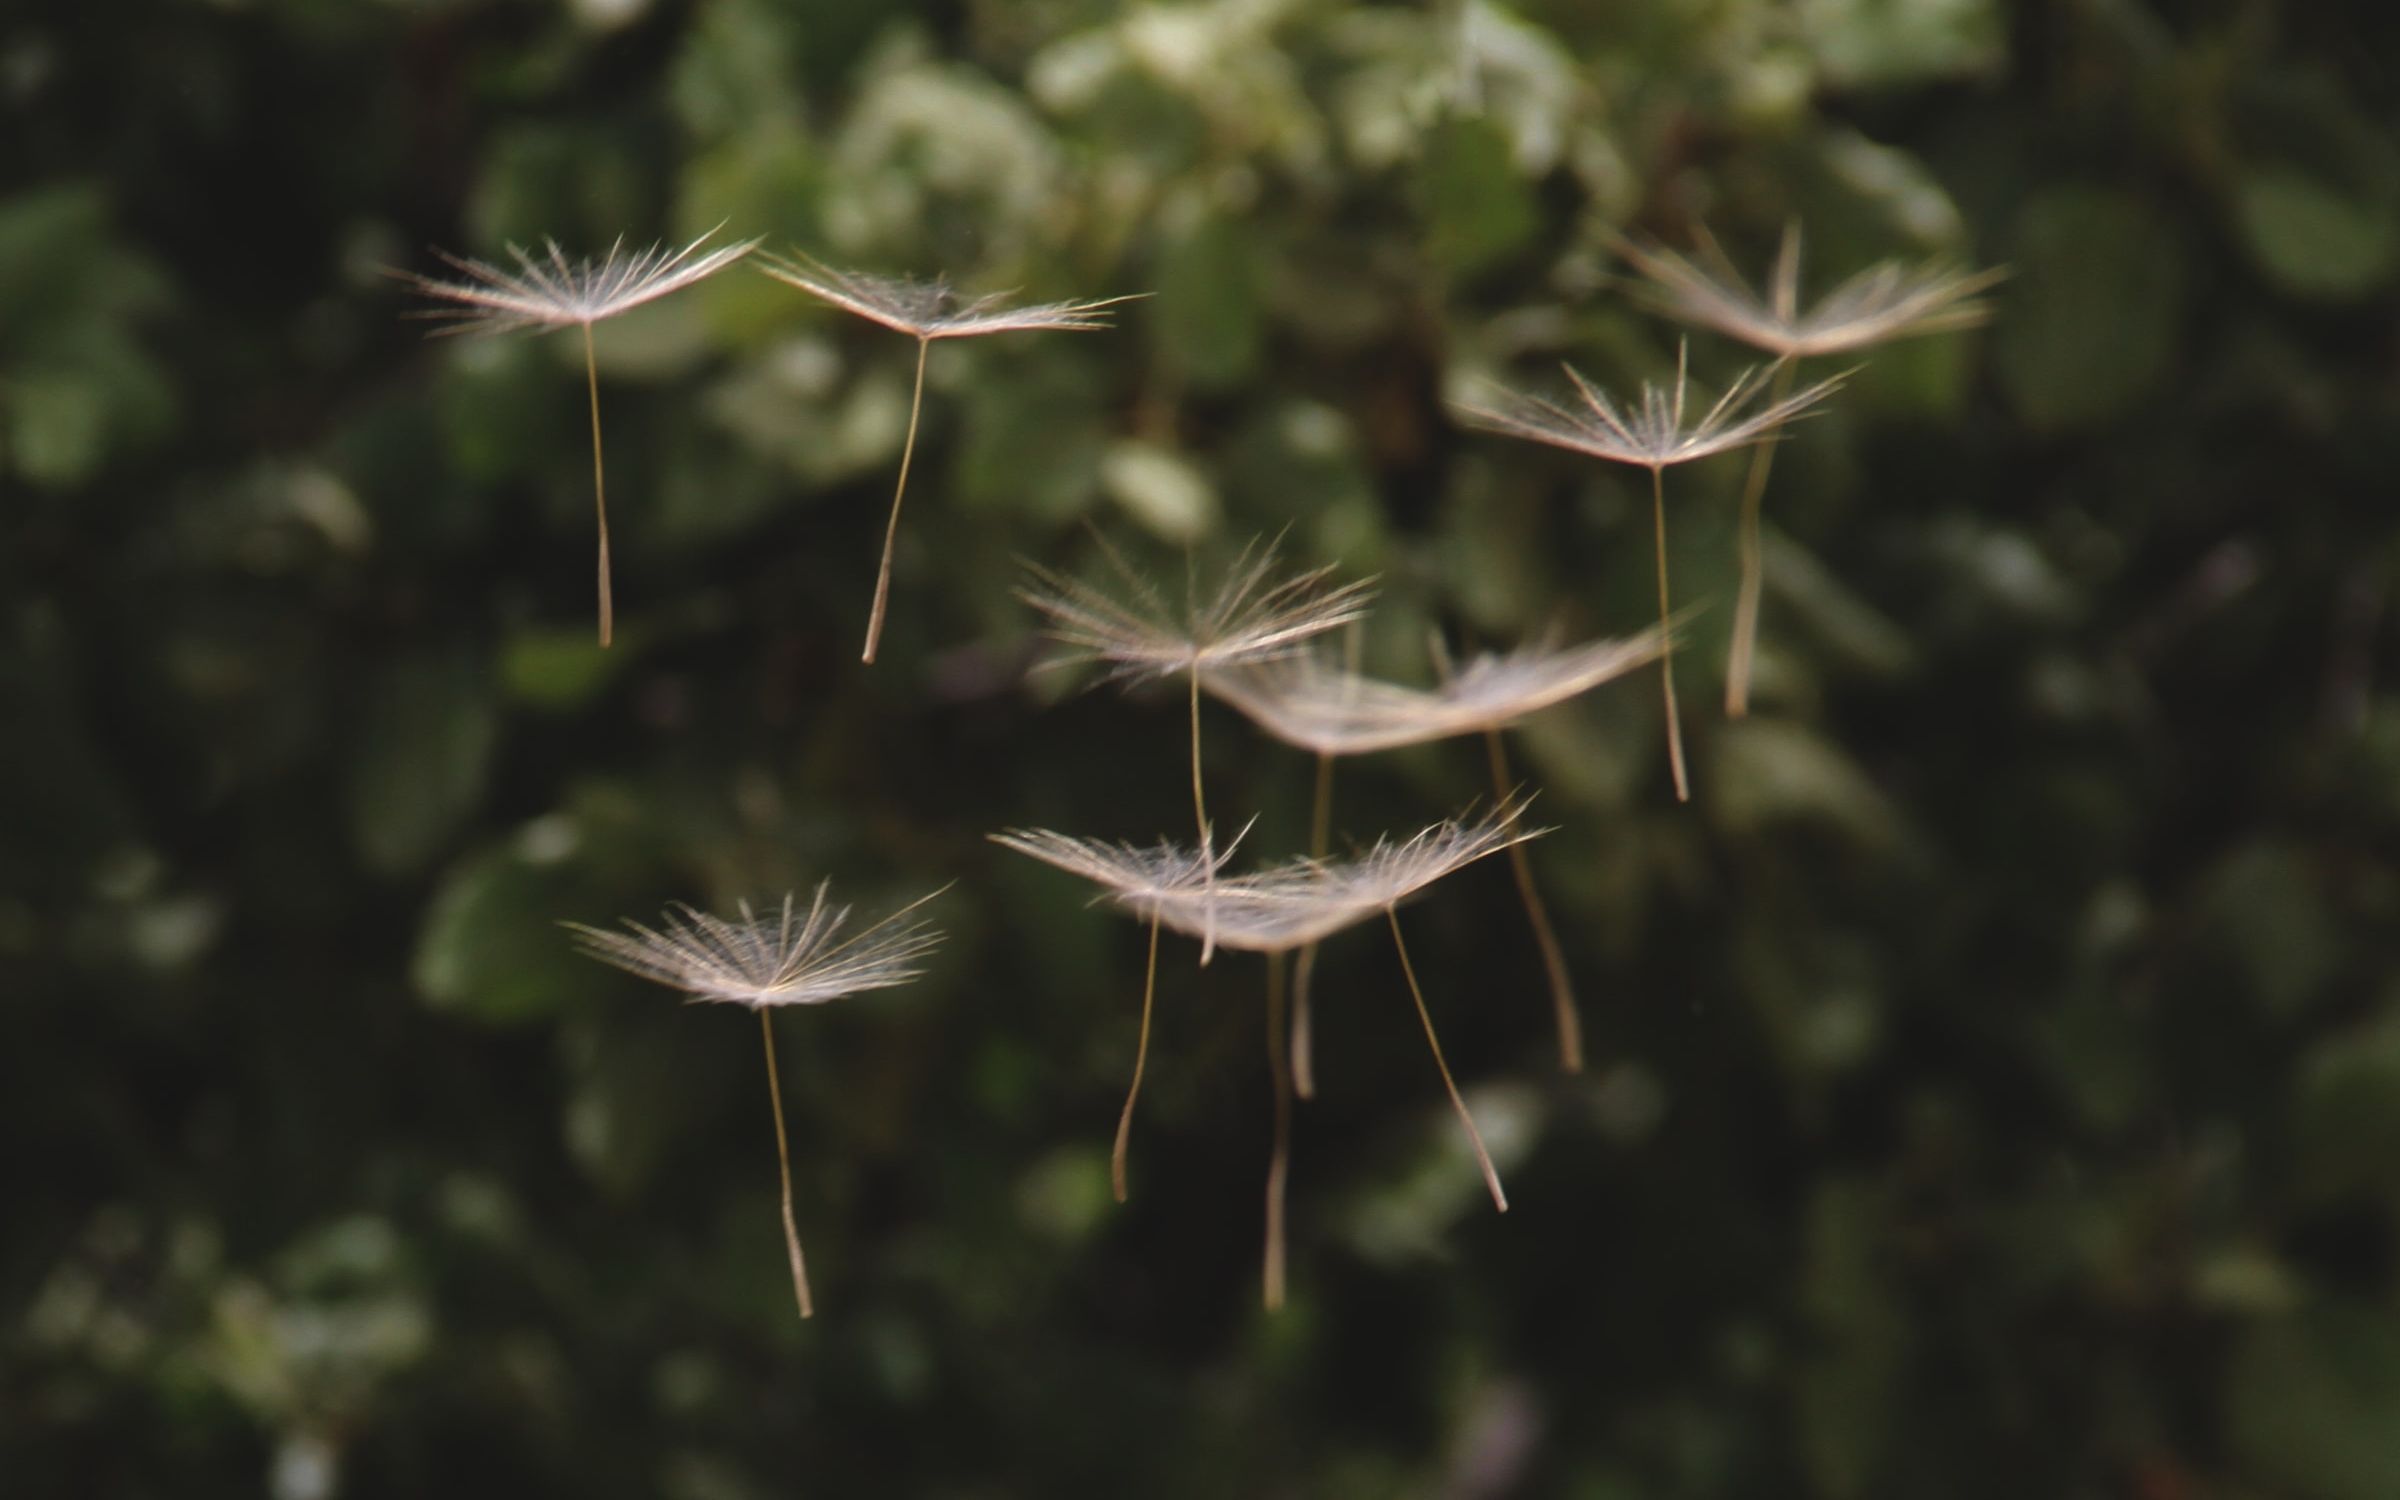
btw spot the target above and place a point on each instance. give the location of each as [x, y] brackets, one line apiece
[1478, 206]
[556, 668]
[501, 409]
[2314, 239]
[1846, 1391]
[2266, 906]
[636, 1081]
[2309, 1402]
[736, 71]
[1162, 490]
[2346, 1112]
[1884, 42]
[2314, 190]
[1301, 459]
[1770, 772]
[57, 426]
[424, 748]
[1032, 436]
[1894, 185]
[75, 381]
[1848, 633]
[1926, 380]
[1064, 1197]
[936, 155]
[1208, 312]
[49, 239]
[2094, 311]
[490, 949]
[62, 807]
[558, 179]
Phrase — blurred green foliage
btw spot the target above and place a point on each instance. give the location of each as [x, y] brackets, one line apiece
[1995, 1065]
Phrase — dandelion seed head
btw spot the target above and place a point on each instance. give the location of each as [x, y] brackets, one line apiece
[1652, 433]
[1252, 616]
[1124, 872]
[550, 291]
[1884, 303]
[1390, 871]
[931, 309]
[794, 956]
[1306, 701]
[1285, 906]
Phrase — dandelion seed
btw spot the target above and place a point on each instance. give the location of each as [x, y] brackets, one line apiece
[925, 311]
[1307, 702]
[790, 958]
[1252, 616]
[1306, 901]
[1653, 436]
[1125, 868]
[550, 291]
[1278, 911]
[1882, 304]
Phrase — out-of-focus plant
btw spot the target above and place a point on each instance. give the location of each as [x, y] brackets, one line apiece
[1995, 1052]
[79, 382]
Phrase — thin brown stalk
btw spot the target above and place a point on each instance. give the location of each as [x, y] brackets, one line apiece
[1483, 1158]
[1208, 940]
[1304, 968]
[891, 529]
[1740, 655]
[1666, 654]
[1141, 1056]
[1554, 959]
[591, 373]
[1279, 1166]
[783, 1158]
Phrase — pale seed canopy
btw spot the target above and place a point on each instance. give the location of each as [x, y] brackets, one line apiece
[1282, 907]
[793, 957]
[932, 309]
[1306, 701]
[551, 291]
[1887, 301]
[1654, 433]
[1251, 616]
[1289, 906]
[1126, 873]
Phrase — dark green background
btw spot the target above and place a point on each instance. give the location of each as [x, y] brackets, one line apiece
[1997, 1065]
